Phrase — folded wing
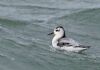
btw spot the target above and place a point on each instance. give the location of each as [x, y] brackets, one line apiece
[67, 42]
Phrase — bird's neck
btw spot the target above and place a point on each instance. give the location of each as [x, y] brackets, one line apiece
[55, 40]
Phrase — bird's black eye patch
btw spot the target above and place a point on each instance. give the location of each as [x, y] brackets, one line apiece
[57, 30]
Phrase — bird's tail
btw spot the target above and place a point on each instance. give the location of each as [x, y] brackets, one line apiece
[83, 46]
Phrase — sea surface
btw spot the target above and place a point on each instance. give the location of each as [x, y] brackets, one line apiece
[24, 25]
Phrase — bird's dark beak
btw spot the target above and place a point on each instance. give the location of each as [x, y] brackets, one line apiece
[51, 33]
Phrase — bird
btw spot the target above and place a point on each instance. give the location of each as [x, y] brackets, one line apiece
[61, 42]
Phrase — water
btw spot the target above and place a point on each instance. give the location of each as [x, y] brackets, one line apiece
[24, 25]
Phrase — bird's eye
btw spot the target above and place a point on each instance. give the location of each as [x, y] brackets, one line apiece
[57, 30]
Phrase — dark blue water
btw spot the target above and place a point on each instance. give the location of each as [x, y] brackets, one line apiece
[24, 25]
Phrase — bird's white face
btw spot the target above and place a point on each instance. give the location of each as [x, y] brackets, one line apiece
[58, 31]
